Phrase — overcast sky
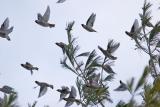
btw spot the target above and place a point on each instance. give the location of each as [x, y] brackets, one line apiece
[35, 44]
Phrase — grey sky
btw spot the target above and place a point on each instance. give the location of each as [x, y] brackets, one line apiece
[33, 43]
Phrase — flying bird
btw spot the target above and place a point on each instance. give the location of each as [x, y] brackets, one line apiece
[43, 20]
[61, 1]
[134, 30]
[7, 90]
[90, 22]
[63, 92]
[72, 97]
[43, 87]
[5, 30]
[29, 66]
[121, 87]
[106, 53]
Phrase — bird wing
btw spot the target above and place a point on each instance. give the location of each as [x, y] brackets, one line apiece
[5, 24]
[61, 1]
[73, 92]
[135, 26]
[39, 16]
[62, 95]
[68, 103]
[7, 87]
[28, 64]
[46, 14]
[91, 19]
[43, 90]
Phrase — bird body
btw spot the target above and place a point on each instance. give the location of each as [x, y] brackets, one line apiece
[72, 97]
[61, 1]
[90, 22]
[64, 91]
[29, 66]
[7, 89]
[43, 20]
[43, 87]
[5, 30]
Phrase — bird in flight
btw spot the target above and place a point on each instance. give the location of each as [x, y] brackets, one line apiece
[43, 20]
[72, 97]
[90, 22]
[43, 87]
[61, 1]
[29, 66]
[5, 30]
[63, 92]
[7, 90]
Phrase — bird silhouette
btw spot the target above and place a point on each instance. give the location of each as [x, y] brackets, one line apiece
[5, 30]
[43, 87]
[90, 22]
[29, 67]
[7, 90]
[43, 20]
[63, 92]
[72, 97]
[134, 30]
[121, 87]
[61, 1]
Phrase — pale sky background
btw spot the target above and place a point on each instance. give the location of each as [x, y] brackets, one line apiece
[35, 44]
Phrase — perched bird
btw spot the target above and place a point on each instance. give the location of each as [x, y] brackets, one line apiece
[61, 1]
[64, 91]
[4, 30]
[122, 87]
[134, 30]
[43, 20]
[72, 97]
[7, 90]
[29, 66]
[89, 24]
[43, 87]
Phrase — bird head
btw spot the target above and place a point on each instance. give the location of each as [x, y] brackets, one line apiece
[51, 86]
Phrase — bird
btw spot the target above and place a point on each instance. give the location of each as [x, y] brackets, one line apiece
[7, 90]
[134, 30]
[43, 20]
[29, 66]
[106, 53]
[90, 22]
[5, 30]
[122, 87]
[43, 87]
[63, 92]
[61, 1]
[62, 45]
[72, 97]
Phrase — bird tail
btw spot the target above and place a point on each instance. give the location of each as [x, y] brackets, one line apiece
[36, 68]
[51, 25]
[8, 38]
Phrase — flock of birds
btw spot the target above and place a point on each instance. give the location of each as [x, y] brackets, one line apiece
[43, 20]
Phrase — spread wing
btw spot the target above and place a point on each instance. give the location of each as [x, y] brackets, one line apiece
[42, 91]
[73, 92]
[68, 103]
[135, 26]
[39, 16]
[5, 24]
[46, 14]
[61, 1]
[91, 19]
